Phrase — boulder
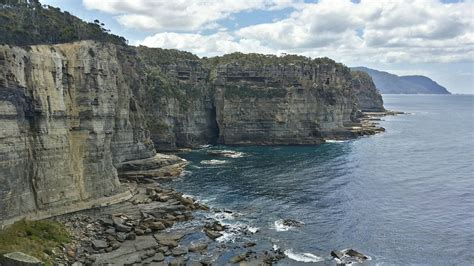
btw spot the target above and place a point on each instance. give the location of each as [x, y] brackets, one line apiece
[212, 234]
[179, 251]
[99, 244]
[19, 259]
[198, 247]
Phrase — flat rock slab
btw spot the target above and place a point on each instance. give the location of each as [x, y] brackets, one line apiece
[129, 251]
[19, 259]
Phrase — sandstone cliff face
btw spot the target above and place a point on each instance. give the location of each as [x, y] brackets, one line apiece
[283, 103]
[367, 94]
[72, 114]
[180, 99]
[68, 114]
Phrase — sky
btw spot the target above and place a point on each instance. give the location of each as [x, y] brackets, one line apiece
[405, 37]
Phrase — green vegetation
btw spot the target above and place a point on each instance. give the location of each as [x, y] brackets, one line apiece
[362, 76]
[158, 56]
[160, 85]
[241, 92]
[260, 60]
[35, 238]
[28, 22]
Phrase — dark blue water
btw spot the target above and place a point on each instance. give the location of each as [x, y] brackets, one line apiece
[405, 196]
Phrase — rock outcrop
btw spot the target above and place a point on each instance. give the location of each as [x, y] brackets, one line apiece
[69, 114]
[367, 94]
[181, 99]
[296, 102]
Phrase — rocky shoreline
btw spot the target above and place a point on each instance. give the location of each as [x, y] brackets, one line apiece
[156, 227]
[159, 225]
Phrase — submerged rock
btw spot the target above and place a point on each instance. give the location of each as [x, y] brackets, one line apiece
[292, 223]
[348, 256]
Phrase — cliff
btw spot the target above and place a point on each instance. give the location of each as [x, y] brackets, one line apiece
[393, 84]
[367, 94]
[180, 99]
[282, 100]
[69, 115]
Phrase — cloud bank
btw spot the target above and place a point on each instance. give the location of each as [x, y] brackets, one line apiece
[388, 31]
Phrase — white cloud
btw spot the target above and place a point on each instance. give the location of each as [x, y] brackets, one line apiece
[355, 33]
[204, 45]
[165, 15]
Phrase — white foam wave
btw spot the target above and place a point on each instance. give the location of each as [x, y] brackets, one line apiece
[234, 154]
[213, 162]
[335, 141]
[205, 146]
[229, 153]
[302, 257]
[185, 173]
[252, 229]
[280, 227]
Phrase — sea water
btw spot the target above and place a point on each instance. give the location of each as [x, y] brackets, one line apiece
[405, 196]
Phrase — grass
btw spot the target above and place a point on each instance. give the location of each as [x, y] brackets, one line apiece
[35, 238]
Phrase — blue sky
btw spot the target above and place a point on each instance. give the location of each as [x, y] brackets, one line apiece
[426, 37]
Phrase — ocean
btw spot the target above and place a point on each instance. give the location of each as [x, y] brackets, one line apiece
[405, 196]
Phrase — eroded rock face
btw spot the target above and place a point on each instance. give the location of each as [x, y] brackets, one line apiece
[367, 94]
[181, 99]
[68, 114]
[283, 103]
[72, 114]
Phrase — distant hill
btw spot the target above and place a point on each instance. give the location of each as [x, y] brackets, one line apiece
[391, 83]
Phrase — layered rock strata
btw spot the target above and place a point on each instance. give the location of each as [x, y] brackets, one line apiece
[68, 116]
[75, 117]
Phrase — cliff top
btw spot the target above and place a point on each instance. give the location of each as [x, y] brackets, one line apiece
[29, 23]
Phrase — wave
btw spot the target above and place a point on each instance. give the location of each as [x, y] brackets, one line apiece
[213, 162]
[252, 230]
[281, 225]
[206, 146]
[302, 257]
[185, 173]
[227, 153]
[335, 141]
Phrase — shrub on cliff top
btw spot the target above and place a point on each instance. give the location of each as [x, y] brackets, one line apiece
[35, 238]
[28, 23]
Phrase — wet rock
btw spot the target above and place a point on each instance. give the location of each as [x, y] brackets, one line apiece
[356, 254]
[348, 256]
[212, 234]
[179, 251]
[337, 254]
[187, 201]
[198, 247]
[178, 261]
[169, 239]
[238, 258]
[99, 244]
[249, 244]
[19, 259]
[292, 223]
